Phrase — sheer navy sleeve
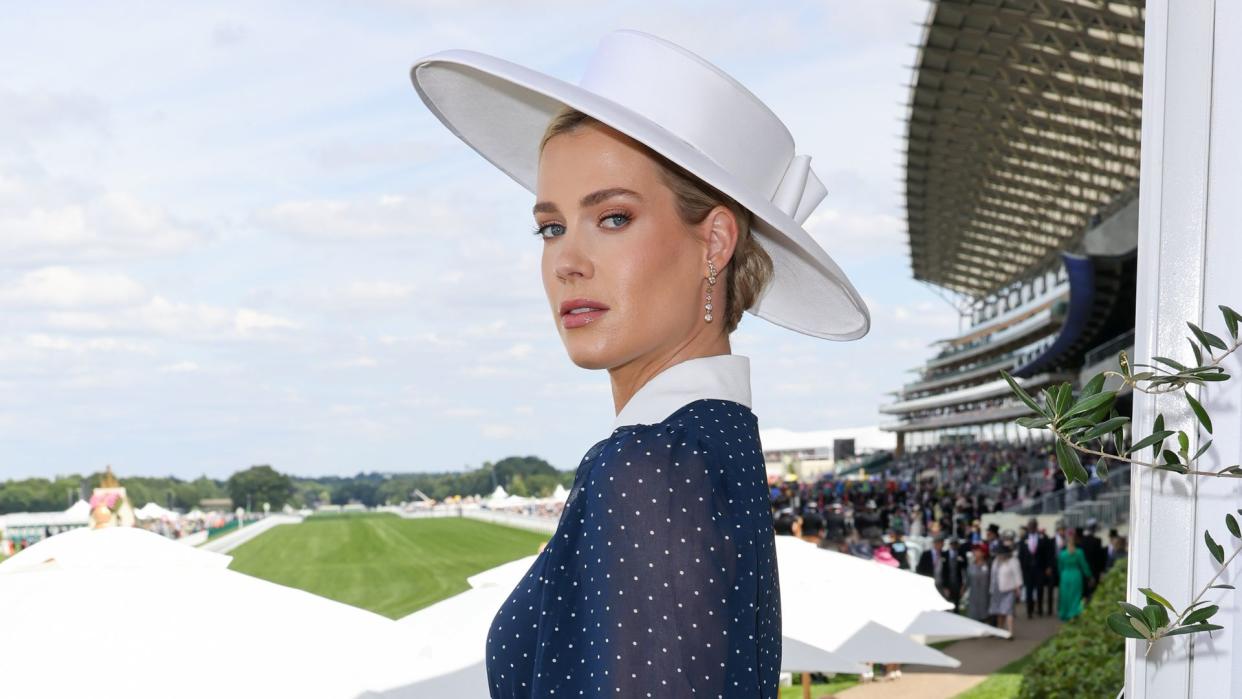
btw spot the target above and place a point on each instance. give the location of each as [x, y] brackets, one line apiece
[663, 546]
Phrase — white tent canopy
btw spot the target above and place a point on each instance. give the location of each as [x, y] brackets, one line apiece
[80, 510]
[93, 584]
[153, 510]
[897, 599]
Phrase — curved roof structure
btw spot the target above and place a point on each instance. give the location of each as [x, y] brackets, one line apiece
[1024, 126]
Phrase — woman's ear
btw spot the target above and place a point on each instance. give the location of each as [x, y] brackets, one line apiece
[722, 235]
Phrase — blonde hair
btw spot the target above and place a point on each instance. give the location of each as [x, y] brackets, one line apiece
[750, 268]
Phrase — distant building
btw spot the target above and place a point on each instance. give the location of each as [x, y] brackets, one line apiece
[216, 504]
[807, 455]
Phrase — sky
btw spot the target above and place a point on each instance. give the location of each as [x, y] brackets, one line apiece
[231, 233]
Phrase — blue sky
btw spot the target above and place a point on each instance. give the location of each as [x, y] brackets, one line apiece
[232, 234]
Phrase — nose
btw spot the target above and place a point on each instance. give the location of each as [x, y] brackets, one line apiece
[572, 259]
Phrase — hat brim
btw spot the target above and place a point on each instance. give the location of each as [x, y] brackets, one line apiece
[501, 110]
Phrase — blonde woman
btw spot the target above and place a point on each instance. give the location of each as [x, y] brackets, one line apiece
[668, 201]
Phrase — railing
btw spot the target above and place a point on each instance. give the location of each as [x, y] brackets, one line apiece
[1109, 349]
[1106, 501]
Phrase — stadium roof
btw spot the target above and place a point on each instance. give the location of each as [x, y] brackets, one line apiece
[1024, 124]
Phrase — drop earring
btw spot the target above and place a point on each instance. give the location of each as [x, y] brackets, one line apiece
[711, 282]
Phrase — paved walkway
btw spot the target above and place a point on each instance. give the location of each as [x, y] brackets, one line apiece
[980, 657]
[236, 538]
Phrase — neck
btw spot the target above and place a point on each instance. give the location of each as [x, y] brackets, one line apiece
[634, 374]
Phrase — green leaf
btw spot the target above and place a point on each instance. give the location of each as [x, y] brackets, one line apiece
[1101, 469]
[1201, 450]
[1034, 423]
[1141, 627]
[1076, 424]
[1197, 352]
[1156, 438]
[1156, 616]
[1200, 413]
[1206, 338]
[1173, 466]
[1123, 360]
[1231, 320]
[1218, 551]
[1171, 459]
[1176, 365]
[1196, 628]
[1151, 596]
[1222, 586]
[1070, 465]
[1105, 427]
[1094, 386]
[1131, 609]
[1201, 614]
[1022, 394]
[1092, 402]
[1183, 441]
[1120, 625]
[1232, 523]
[1065, 398]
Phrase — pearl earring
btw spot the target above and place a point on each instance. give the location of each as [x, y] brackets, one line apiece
[711, 282]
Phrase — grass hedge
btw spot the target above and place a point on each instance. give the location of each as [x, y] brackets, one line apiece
[1084, 658]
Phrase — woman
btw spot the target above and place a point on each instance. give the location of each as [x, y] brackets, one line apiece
[1074, 574]
[1006, 581]
[668, 201]
[978, 582]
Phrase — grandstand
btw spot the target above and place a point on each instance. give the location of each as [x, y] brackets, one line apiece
[1021, 183]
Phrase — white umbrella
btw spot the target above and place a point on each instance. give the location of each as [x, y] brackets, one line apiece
[125, 548]
[273, 640]
[459, 628]
[897, 599]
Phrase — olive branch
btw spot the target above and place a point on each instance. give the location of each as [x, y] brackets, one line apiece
[1090, 424]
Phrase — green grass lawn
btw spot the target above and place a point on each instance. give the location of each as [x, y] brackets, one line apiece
[1002, 684]
[389, 565]
[819, 689]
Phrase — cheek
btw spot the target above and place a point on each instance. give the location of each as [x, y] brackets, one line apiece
[651, 277]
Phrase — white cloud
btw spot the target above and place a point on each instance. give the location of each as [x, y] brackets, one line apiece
[499, 431]
[383, 216]
[463, 412]
[64, 287]
[109, 226]
[189, 321]
[183, 367]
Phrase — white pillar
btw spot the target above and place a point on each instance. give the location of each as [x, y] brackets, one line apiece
[1190, 247]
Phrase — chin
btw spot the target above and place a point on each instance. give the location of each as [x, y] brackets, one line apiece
[590, 352]
[589, 356]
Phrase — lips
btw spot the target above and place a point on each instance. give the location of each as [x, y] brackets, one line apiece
[575, 313]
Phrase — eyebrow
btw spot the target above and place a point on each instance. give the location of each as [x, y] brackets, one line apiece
[589, 200]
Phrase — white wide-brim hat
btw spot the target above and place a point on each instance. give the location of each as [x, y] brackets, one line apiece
[689, 111]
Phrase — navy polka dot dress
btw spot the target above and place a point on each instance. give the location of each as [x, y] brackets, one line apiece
[660, 580]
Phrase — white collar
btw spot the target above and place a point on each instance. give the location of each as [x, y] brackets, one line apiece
[721, 376]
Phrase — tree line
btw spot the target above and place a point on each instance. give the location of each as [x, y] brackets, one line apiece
[520, 475]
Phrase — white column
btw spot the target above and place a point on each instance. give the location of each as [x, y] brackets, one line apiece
[1190, 249]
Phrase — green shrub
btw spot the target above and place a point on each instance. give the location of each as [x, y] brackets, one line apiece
[1084, 658]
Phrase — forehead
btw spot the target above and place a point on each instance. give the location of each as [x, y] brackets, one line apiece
[592, 156]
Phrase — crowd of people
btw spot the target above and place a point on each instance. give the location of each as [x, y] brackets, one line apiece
[937, 497]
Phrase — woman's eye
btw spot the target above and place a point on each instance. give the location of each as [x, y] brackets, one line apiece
[623, 218]
[547, 230]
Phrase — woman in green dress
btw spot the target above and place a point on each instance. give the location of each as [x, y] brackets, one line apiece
[1075, 573]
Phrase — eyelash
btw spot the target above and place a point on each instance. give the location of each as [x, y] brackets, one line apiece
[613, 214]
